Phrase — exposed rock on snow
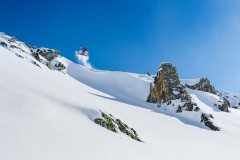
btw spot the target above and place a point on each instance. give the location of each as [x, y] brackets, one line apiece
[49, 115]
[3, 44]
[224, 106]
[116, 125]
[47, 53]
[233, 99]
[166, 85]
[202, 84]
[167, 88]
[207, 121]
[43, 56]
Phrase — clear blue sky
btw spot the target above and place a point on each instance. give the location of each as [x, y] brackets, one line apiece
[200, 37]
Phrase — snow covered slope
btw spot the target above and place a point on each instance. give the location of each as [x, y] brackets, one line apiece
[46, 114]
[232, 97]
[41, 57]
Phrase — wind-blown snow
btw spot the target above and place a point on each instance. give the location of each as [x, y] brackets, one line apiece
[84, 60]
[48, 115]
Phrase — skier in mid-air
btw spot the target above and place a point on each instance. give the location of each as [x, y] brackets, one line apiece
[83, 51]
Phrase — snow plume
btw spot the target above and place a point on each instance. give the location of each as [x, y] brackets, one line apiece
[84, 60]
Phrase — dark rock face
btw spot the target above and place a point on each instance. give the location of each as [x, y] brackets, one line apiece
[36, 56]
[3, 44]
[12, 40]
[203, 85]
[14, 46]
[190, 106]
[59, 66]
[106, 122]
[48, 54]
[45, 56]
[167, 87]
[230, 98]
[224, 107]
[115, 125]
[205, 118]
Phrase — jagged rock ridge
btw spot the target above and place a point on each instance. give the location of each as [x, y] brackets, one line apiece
[167, 88]
[231, 98]
[202, 85]
[45, 56]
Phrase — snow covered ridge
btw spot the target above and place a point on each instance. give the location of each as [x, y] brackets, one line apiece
[175, 95]
[40, 57]
[45, 114]
[202, 84]
[233, 98]
[228, 99]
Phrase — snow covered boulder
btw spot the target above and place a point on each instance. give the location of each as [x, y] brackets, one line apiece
[115, 125]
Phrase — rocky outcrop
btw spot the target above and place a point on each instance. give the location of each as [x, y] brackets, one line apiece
[224, 106]
[48, 54]
[167, 91]
[36, 56]
[16, 47]
[45, 56]
[3, 44]
[231, 98]
[12, 40]
[59, 66]
[203, 85]
[116, 125]
[206, 119]
[166, 87]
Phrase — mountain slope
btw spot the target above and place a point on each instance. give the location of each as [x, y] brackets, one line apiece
[46, 114]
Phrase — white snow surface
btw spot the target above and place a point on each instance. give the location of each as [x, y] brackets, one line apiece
[232, 97]
[48, 115]
[190, 82]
